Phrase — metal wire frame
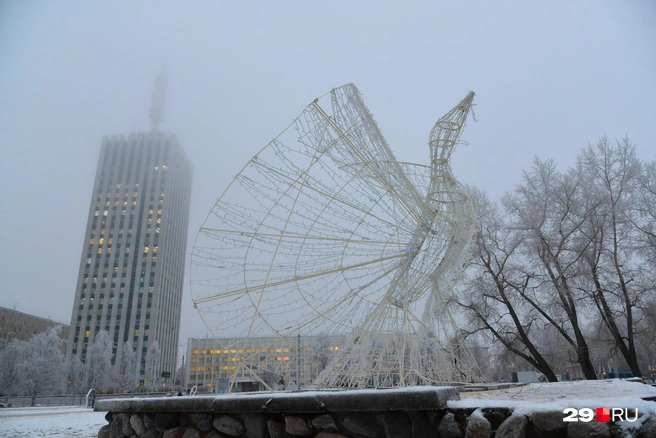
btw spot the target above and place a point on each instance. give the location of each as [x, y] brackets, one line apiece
[324, 232]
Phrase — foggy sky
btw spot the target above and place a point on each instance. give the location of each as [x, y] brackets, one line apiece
[549, 77]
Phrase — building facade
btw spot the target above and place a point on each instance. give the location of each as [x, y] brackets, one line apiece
[289, 363]
[22, 326]
[131, 272]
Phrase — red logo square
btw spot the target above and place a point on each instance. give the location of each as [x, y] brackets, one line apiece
[603, 415]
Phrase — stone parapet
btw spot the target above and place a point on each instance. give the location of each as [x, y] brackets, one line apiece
[386, 413]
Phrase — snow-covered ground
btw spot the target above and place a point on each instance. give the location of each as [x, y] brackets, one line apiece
[67, 421]
[613, 393]
[55, 421]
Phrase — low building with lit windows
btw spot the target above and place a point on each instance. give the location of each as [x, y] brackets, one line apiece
[258, 362]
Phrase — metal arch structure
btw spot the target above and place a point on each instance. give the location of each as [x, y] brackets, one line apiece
[324, 232]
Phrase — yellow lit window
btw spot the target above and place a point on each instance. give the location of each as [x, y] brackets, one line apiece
[194, 351]
[101, 241]
[146, 252]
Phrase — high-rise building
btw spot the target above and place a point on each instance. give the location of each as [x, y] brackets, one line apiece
[132, 267]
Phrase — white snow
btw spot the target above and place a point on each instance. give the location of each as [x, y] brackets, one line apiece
[55, 422]
[561, 395]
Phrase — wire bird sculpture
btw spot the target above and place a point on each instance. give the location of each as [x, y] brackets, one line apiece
[325, 233]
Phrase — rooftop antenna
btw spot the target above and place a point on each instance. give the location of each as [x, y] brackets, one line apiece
[158, 99]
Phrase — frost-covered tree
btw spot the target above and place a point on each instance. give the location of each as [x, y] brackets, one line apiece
[496, 289]
[76, 376]
[11, 363]
[570, 250]
[100, 373]
[43, 370]
[549, 212]
[152, 365]
[125, 374]
[612, 273]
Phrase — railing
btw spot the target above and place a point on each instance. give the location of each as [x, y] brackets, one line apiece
[67, 400]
